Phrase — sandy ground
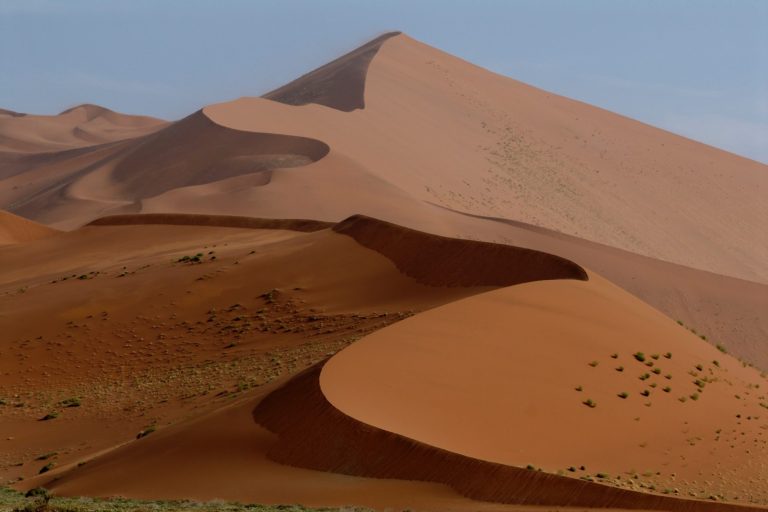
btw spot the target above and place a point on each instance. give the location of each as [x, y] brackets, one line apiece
[135, 354]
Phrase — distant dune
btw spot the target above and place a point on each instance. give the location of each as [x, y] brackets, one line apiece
[84, 125]
[15, 229]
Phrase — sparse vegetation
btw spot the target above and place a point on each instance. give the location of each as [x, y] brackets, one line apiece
[639, 356]
[623, 395]
[46, 468]
[40, 500]
[197, 258]
[590, 403]
[70, 402]
[146, 432]
[47, 456]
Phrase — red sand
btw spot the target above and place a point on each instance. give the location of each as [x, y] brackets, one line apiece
[186, 322]
[14, 229]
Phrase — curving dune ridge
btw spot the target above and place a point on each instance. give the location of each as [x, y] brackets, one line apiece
[314, 434]
[340, 84]
[441, 261]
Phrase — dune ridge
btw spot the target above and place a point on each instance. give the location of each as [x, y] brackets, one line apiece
[442, 261]
[340, 84]
[314, 434]
[222, 221]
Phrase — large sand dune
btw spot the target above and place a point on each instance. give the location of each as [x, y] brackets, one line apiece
[466, 394]
[436, 129]
[502, 254]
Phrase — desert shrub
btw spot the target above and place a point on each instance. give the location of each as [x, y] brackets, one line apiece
[623, 395]
[639, 356]
[146, 432]
[46, 468]
[70, 402]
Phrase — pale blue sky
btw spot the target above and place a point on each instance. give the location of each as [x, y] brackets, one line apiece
[695, 67]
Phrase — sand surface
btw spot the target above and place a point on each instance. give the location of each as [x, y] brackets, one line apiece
[15, 229]
[183, 318]
[494, 376]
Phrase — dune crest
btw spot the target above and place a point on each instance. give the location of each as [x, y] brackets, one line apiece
[80, 126]
[442, 261]
[340, 84]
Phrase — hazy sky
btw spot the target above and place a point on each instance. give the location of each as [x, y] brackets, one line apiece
[696, 67]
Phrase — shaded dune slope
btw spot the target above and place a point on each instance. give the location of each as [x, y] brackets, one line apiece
[442, 261]
[340, 84]
[314, 434]
[222, 221]
[68, 189]
[196, 150]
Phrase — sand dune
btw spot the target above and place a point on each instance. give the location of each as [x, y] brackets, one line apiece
[114, 315]
[337, 442]
[436, 129]
[221, 221]
[441, 261]
[486, 350]
[79, 126]
[14, 230]
[494, 376]
[340, 84]
[260, 259]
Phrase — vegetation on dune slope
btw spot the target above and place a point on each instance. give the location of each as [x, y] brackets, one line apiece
[39, 500]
